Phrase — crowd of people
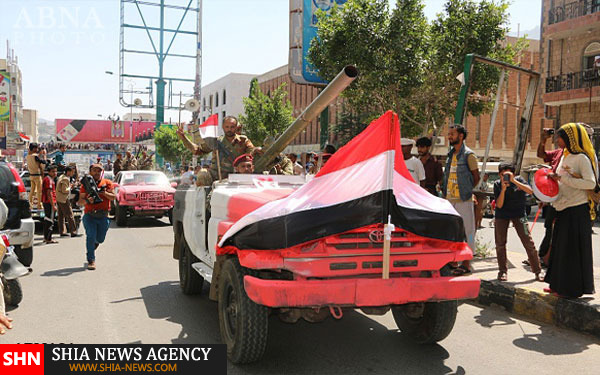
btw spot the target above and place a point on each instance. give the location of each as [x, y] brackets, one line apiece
[566, 249]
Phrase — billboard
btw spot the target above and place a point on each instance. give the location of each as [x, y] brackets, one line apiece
[2, 135]
[103, 131]
[303, 29]
[4, 96]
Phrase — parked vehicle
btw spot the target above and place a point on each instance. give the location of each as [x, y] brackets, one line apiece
[19, 225]
[143, 194]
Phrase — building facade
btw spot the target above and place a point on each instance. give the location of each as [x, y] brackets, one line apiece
[30, 124]
[225, 96]
[570, 61]
[12, 128]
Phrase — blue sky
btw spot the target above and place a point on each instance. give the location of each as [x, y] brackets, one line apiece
[65, 46]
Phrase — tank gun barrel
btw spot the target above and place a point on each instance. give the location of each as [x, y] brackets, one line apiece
[328, 95]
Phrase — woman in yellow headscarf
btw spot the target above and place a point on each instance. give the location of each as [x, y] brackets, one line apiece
[570, 268]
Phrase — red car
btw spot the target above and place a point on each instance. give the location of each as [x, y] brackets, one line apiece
[143, 193]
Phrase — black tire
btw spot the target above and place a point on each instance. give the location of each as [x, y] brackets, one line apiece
[113, 204]
[13, 293]
[426, 322]
[170, 215]
[25, 255]
[121, 216]
[190, 280]
[243, 323]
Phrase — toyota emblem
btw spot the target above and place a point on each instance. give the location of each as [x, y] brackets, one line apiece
[376, 236]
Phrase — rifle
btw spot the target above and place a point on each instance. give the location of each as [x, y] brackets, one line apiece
[91, 188]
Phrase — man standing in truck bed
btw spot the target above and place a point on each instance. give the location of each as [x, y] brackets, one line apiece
[229, 146]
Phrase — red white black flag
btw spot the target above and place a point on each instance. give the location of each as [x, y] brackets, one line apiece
[210, 128]
[361, 184]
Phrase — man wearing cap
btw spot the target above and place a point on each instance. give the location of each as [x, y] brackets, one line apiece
[414, 165]
[34, 165]
[229, 147]
[95, 218]
[460, 177]
[243, 164]
[433, 168]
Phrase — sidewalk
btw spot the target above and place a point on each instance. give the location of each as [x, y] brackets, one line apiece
[522, 295]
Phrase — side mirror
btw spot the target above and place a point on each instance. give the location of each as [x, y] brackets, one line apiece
[173, 184]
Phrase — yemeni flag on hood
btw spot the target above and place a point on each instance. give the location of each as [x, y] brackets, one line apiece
[210, 128]
[361, 184]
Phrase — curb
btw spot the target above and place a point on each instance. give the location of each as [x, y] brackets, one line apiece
[573, 314]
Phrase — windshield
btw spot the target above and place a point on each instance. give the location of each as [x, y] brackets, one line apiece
[137, 178]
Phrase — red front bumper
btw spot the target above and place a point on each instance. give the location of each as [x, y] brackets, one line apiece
[359, 291]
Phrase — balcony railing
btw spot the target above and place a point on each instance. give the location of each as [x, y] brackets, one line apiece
[572, 81]
[573, 10]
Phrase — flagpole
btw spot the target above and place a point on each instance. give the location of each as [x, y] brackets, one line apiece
[388, 227]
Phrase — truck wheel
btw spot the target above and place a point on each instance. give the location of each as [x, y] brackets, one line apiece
[190, 280]
[13, 293]
[426, 322]
[25, 255]
[121, 216]
[243, 323]
[170, 215]
[113, 204]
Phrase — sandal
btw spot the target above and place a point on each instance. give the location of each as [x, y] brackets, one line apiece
[526, 262]
[539, 277]
[502, 276]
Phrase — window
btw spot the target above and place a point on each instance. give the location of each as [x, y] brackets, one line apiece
[216, 99]
[591, 56]
[203, 119]
[203, 104]
[224, 115]
[210, 102]
[224, 97]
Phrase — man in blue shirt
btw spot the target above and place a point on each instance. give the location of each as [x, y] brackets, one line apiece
[59, 159]
[510, 194]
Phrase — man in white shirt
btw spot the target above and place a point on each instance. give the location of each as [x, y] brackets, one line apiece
[414, 165]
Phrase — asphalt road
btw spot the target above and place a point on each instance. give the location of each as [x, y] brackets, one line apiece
[134, 297]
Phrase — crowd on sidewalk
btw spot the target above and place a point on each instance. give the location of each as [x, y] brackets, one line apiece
[566, 250]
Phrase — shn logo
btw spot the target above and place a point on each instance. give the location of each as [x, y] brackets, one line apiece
[21, 359]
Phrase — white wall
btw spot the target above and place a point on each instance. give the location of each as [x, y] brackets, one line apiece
[236, 86]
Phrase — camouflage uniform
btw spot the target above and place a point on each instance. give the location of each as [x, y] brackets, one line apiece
[228, 152]
[145, 163]
[130, 164]
[287, 167]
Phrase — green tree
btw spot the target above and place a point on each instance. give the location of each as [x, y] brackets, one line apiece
[169, 146]
[266, 114]
[406, 64]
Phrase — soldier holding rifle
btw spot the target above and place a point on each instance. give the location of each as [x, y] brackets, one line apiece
[227, 148]
[95, 220]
